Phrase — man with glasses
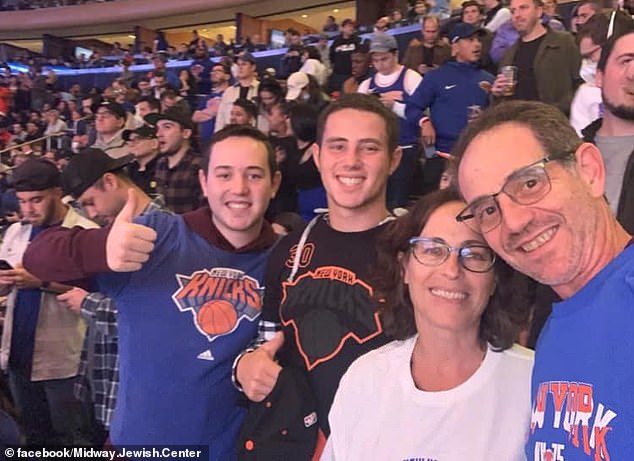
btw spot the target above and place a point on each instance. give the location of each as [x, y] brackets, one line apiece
[144, 145]
[536, 193]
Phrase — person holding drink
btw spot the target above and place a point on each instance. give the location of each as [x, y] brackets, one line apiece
[543, 65]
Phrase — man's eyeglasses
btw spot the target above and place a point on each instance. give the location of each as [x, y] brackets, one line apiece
[525, 186]
[474, 257]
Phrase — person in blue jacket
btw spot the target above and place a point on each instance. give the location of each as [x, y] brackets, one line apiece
[455, 91]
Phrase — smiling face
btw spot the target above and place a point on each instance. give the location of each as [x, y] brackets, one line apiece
[239, 186]
[354, 160]
[553, 239]
[447, 296]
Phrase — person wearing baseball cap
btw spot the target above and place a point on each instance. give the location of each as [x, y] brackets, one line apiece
[246, 87]
[110, 118]
[393, 83]
[41, 338]
[177, 168]
[143, 144]
[100, 184]
[454, 93]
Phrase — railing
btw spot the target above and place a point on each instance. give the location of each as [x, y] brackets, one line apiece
[49, 138]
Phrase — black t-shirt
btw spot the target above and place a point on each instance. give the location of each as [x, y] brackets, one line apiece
[524, 60]
[145, 179]
[304, 175]
[327, 312]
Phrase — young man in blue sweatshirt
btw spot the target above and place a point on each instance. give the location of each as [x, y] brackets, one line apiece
[451, 92]
[189, 294]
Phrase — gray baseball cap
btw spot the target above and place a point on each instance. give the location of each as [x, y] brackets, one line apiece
[382, 43]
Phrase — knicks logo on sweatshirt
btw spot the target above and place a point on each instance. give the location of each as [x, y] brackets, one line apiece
[219, 300]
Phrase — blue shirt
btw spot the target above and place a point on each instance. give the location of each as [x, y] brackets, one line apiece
[25, 315]
[206, 129]
[583, 380]
[183, 319]
[448, 92]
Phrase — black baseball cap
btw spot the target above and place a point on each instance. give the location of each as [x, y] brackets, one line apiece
[85, 168]
[114, 107]
[147, 130]
[36, 174]
[178, 115]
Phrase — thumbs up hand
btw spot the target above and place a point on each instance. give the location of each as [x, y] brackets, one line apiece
[257, 371]
[129, 245]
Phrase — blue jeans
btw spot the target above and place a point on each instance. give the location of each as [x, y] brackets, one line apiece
[48, 411]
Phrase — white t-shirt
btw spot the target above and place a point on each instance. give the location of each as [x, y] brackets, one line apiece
[585, 107]
[316, 69]
[379, 414]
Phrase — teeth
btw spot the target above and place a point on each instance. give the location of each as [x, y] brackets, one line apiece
[448, 294]
[350, 181]
[539, 240]
[238, 206]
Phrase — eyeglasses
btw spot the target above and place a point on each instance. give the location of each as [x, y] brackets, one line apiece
[525, 186]
[473, 257]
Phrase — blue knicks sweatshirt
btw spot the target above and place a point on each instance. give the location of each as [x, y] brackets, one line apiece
[448, 92]
[183, 318]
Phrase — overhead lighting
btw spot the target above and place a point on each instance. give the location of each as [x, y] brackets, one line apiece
[336, 10]
[131, 36]
[304, 16]
[232, 27]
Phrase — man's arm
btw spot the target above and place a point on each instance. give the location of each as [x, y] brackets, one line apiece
[60, 254]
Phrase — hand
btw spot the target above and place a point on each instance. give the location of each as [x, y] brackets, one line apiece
[390, 97]
[428, 133]
[257, 372]
[12, 217]
[73, 298]
[499, 86]
[19, 277]
[212, 106]
[129, 245]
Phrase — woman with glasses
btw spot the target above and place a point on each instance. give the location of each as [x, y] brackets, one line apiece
[452, 386]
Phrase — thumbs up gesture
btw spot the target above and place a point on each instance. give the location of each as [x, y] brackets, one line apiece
[257, 371]
[129, 245]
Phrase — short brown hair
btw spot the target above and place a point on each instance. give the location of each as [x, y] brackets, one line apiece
[508, 308]
[548, 124]
[241, 131]
[363, 103]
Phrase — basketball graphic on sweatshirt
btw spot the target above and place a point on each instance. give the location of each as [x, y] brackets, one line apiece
[219, 299]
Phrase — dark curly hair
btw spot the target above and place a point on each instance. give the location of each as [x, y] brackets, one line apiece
[508, 308]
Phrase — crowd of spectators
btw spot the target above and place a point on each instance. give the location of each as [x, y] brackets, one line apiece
[181, 166]
[9, 5]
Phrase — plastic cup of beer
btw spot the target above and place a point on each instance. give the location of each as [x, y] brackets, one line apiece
[510, 76]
